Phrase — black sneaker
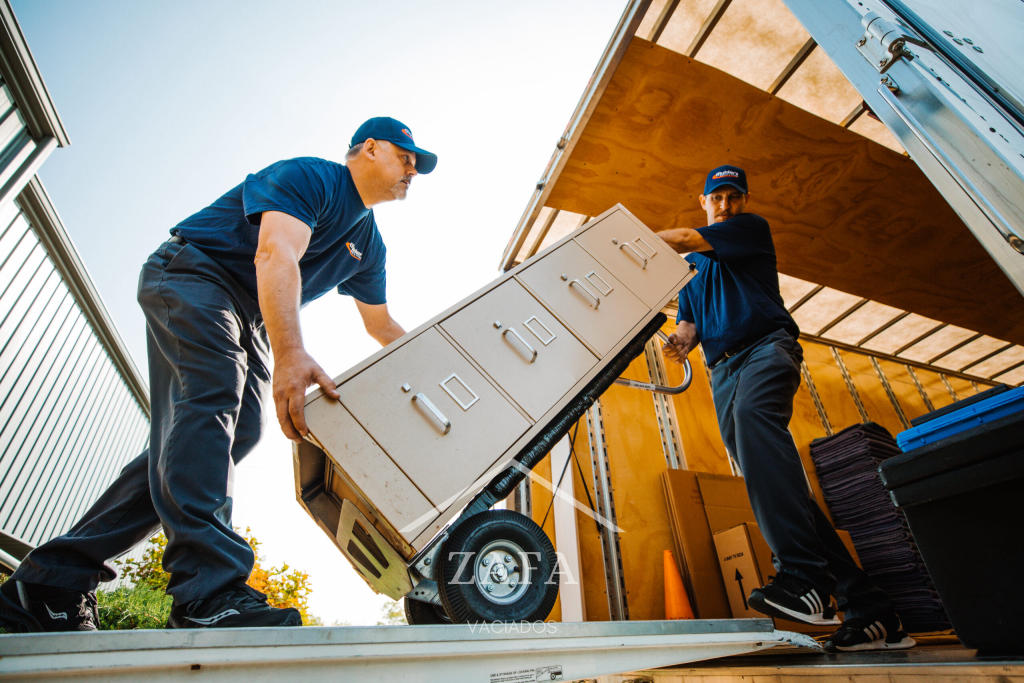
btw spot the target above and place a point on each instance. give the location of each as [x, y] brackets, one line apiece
[787, 597]
[32, 607]
[238, 605]
[861, 633]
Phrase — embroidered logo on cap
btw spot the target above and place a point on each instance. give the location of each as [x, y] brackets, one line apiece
[356, 254]
[726, 173]
[407, 133]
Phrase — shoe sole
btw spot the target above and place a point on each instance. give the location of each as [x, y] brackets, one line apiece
[768, 607]
[905, 644]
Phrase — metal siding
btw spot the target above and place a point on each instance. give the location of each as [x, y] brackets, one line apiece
[80, 451]
[40, 520]
[103, 464]
[96, 480]
[55, 410]
[68, 420]
[34, 397]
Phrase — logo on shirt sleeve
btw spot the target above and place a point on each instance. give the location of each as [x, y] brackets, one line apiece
[355, 253]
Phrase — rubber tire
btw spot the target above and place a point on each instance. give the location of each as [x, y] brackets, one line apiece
[465, 602]
[419, 613]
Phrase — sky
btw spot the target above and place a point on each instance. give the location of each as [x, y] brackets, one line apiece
[168, 105]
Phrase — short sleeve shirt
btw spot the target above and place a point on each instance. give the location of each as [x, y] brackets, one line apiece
[734, 299]
[345, 249]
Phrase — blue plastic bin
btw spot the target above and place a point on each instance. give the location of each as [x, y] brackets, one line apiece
[970, 416]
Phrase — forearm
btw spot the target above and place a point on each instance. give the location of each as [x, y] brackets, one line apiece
[378, 322]
[279, 285]
[684, 240]
[386, 333]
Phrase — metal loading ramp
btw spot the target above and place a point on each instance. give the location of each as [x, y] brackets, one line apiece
[470, 653]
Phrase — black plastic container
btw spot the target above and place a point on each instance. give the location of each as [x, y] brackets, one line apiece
[963, 498]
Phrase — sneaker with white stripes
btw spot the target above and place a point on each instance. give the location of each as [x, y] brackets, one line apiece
[237, 605]
[787, 597]
[34, 607]
[859, 633]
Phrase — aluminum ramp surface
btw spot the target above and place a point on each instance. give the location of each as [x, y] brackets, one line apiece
[471, 653]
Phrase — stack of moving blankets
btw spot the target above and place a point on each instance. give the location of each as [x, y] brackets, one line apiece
[847, 467]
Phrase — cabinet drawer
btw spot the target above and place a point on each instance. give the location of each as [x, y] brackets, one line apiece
[351, 449]
[585, 296]
[522, 346]
[438, 418]
[637, 257]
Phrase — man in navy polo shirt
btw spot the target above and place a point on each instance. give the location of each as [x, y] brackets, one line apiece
[734, 309]
[220, 295]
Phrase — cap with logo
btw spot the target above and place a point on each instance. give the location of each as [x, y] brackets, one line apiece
[397, 133]
[726, 175]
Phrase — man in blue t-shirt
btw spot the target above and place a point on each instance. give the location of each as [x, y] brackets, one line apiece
[219, 296]
[734, 309]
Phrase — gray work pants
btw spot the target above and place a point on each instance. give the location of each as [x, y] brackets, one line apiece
[753, 394]
[207, 375]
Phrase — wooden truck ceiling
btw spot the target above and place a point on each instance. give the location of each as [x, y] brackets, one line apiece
[871, 255]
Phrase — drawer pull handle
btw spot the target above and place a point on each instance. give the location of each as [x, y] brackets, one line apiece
[471, 397]
[636, 253]
[443, 422]
[647, 250]
[522, 342]
[590, 295]
[599, 283]
[533, 324]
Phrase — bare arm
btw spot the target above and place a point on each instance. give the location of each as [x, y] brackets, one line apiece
[282, 242]
[685, 240]
[681, 342]
[378, 322]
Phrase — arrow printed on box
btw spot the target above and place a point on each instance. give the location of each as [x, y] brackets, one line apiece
[743, 593]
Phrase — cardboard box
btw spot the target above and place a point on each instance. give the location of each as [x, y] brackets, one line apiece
[746, 563]
[741, 572]
[699, 503]
[699, 506]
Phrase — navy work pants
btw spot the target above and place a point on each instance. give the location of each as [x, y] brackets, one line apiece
[753, 393]
[208, 372]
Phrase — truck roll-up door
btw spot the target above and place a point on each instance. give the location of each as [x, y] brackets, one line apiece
[947, 78]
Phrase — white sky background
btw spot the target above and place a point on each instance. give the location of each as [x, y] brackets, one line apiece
[169, 104]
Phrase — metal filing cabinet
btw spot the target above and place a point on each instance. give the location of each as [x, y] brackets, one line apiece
[424, 423]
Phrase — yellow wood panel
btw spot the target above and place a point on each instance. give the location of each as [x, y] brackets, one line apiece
[872, 394]
[592, 578]
[932, 384]
[903, 386]
[828, 380]
[830, 194]
[695, 412]
[962, 387]
[636, 461]
[805, 427]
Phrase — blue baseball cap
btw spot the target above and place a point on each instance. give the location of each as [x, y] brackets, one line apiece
[726, 175]
[397, 133]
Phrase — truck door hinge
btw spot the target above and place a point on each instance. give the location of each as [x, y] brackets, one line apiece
[884, 41]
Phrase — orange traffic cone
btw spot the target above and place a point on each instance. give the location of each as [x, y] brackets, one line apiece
[677, 603]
